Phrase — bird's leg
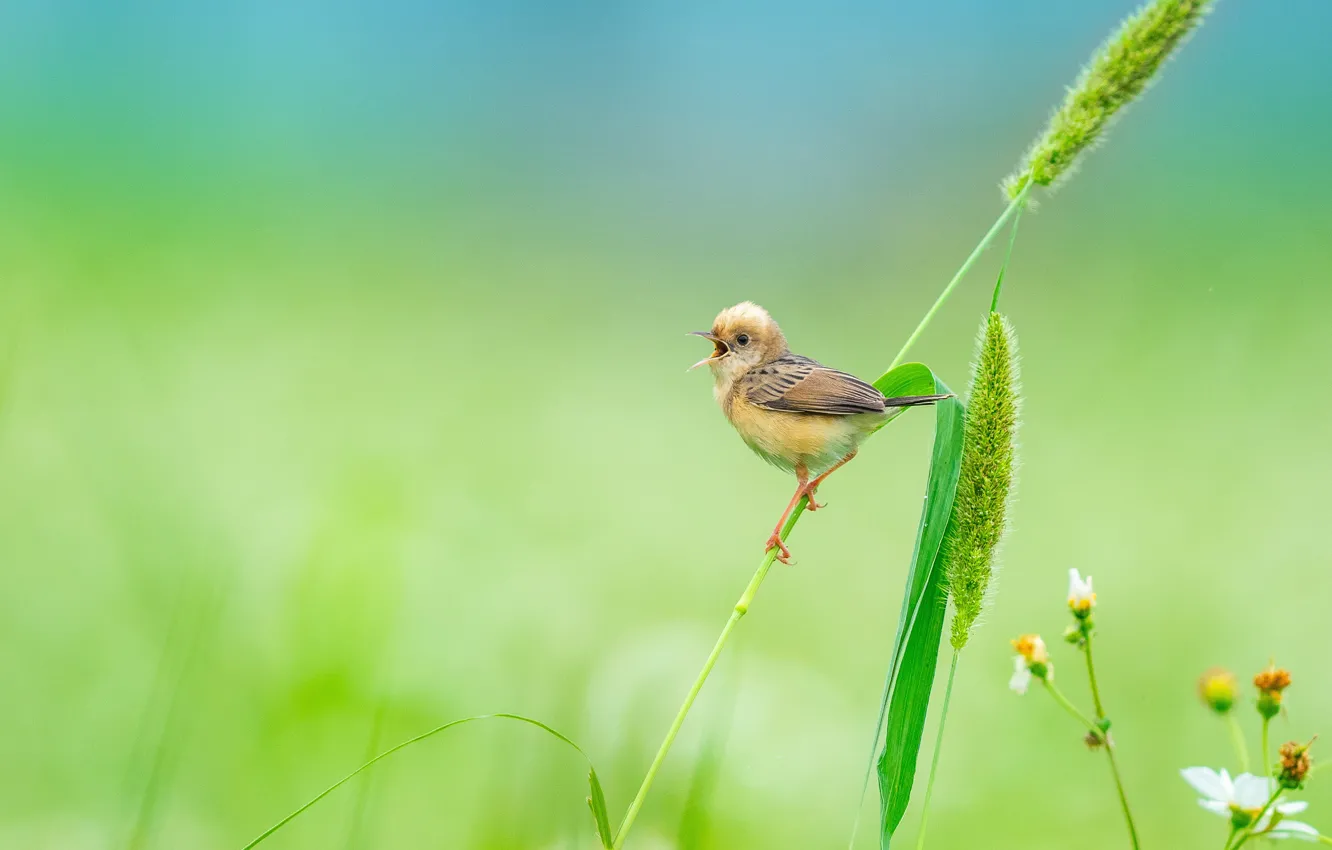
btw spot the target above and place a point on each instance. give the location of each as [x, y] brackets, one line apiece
[806, 487]
[814, 485]
[802, 489]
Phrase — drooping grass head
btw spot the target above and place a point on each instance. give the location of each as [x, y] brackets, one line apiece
[1118, 72]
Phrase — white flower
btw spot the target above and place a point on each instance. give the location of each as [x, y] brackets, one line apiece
[1081, 597]
[1032, 660]
[1021, 675]
[1247, 795]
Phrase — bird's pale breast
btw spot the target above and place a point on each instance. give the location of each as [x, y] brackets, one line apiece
[787, 439]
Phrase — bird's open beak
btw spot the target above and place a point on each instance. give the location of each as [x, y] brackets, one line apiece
[718, 353]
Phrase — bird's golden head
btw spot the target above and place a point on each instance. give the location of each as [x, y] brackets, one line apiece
[742, 336]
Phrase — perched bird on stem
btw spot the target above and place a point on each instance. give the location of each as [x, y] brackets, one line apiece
[793, 412]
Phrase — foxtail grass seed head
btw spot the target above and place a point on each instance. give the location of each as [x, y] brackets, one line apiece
[1119, 72]
[1295, 764]
[1218, 690]
[984, 486]
[1271, 684]
[1032, 660]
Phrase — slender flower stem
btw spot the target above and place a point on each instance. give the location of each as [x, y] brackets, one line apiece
[1100, 735]
[1109, 745]
[1247, 833]
[741, 608]
[1267, 760]
[938, 745]
[1123, 800]
[1073, 709]
[1237, 739]
[1091, 675]
[1323, 839]
[989, 237]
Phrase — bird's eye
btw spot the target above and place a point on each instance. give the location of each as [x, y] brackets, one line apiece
[743, 339]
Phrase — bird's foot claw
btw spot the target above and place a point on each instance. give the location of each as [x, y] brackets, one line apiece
[775, 542]
[812, 505]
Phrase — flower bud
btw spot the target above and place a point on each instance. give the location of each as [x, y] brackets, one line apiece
[1217, 689]
[1294, 765]
[1081, 597]
[1271, 683]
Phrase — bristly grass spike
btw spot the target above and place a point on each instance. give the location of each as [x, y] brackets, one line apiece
[1118, 73]
[984, 489]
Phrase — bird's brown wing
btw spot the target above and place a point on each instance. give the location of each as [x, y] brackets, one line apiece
[800, 385]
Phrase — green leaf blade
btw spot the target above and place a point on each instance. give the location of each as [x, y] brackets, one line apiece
[920, 625]
[597, 802]
[907, 379]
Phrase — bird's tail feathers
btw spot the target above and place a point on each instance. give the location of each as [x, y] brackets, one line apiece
[914, 400]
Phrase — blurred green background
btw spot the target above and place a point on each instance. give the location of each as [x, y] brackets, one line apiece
[342, 393]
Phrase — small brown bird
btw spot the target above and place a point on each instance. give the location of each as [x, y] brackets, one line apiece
[793, 412]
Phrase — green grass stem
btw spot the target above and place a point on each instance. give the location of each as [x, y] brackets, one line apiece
[995, 229]
[1237, 740]
[938, 746]
[741, 608]
[1266, 751]
[1008, 255]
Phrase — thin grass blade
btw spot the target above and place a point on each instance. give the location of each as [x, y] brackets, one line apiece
[597, 802]
[597, 794]
[358, 815]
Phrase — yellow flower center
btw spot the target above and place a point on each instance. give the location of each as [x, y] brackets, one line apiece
[1032, 648]
[1082, 604]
